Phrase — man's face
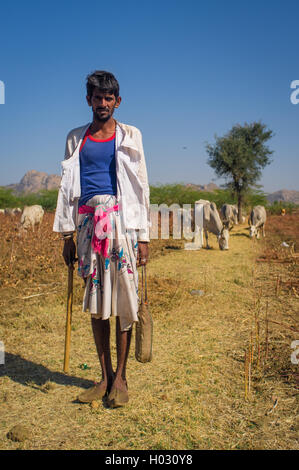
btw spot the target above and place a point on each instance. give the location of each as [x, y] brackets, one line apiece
[103, 104]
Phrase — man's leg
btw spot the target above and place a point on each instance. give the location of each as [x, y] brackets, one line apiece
[123, 342]
[101, 334]
[119, 391]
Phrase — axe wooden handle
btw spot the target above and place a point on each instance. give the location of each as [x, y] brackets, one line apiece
[68, 319]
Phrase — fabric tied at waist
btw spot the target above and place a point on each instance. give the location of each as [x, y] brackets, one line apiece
[102, 226]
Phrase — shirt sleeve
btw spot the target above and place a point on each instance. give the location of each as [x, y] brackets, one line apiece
[143, 235]
[64, 214]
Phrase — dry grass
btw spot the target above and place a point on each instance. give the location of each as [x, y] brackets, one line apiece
[192, 395]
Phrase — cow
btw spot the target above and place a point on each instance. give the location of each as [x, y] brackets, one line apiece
[31, 216]
[212, 223]
[9, 211]
[257, 220]
[13, 211]
[229, 215]
[2, 211]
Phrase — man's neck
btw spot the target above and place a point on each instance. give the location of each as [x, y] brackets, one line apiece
[102, 128]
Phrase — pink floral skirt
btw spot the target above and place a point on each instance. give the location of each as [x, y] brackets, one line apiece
[110, 274]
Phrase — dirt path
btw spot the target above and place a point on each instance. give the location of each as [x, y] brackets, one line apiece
[191, 396]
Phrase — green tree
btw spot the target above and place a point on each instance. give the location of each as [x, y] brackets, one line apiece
[7, 198]
[239, 157]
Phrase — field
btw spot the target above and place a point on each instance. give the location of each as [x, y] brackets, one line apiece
[223, 375]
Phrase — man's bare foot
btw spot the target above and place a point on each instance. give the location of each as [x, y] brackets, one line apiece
[120, 384]
[94, 393]
[119, 393]
[97, 392]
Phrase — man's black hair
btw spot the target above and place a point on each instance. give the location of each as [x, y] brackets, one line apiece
[105, 81]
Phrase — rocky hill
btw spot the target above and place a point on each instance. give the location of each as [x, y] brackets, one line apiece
[34, 181]
[203, 187]
[284, 195]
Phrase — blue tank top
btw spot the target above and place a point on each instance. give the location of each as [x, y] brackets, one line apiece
[97, 167]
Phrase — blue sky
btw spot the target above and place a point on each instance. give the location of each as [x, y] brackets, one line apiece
[187, 70]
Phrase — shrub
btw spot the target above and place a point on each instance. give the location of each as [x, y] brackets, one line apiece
[276, 207]
[46, 199]
[180, 194]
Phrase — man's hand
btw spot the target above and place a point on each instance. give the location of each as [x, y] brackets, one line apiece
[143, 253]
[69, 251]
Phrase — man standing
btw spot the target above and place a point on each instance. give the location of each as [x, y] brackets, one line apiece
[104, 196]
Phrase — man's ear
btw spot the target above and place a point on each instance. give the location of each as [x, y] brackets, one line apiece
[88, 100]
[118, 101]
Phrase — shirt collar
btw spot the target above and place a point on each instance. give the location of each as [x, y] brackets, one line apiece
[125, 140]
[83, 131]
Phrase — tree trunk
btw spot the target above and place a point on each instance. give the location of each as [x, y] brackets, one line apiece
[240, 200]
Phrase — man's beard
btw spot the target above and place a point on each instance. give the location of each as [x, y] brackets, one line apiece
[103, 117]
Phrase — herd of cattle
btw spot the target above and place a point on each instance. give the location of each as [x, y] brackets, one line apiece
[256, 220]
[228, 217]
[218, 223]
[31, 216]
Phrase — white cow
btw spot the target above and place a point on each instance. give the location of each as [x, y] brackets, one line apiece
[9, 211]
[257, 220]
[12, 211]
[229, 215]
[2, 211]
[31, 216]
[212, 223]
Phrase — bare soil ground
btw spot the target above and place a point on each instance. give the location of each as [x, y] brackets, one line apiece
[197, 392]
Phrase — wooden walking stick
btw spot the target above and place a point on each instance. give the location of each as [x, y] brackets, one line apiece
[68, 319]
[247, 374]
